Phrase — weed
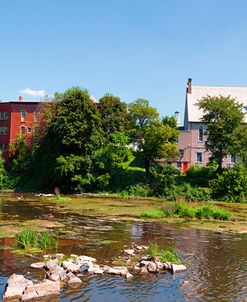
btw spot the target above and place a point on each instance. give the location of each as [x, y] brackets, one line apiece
[157, 213]
[47, 241]
[26, 239]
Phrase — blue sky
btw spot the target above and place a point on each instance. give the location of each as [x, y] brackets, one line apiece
[130, 48]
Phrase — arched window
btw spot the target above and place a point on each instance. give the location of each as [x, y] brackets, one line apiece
[23, 115]
[36, 116]
[23, 130]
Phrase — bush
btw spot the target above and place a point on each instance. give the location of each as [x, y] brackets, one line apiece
[201, 176]
[136, 190]
[183, 210]
[208, 212]
[158, 213]
[231, 185]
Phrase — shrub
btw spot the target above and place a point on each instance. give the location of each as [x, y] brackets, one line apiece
[231, 185]
[136, 190]
[210, 211]
[183, 210]
[201, 176]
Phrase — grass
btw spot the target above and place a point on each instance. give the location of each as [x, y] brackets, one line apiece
[30, 239]
[183, 210]
[170, 255]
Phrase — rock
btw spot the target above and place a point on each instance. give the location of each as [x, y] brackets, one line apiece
[143, 270]
[58, 273]
[71, 267]
[52, 264]
[129, 276]
[136, 268]
[105, 268]
[167, 265]
[38, 265]
[178, 268]
[129, 252]
[152, 267]
[59, 255]
[16, 284]
[95, 269]
[84, 267]
[160, 265]
[73, 281]
[118, 270]
[144, 263]
[86, 259]
[46, 289]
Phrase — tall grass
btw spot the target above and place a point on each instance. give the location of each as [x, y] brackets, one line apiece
[29, 238]
[183, 210]
[170, 255]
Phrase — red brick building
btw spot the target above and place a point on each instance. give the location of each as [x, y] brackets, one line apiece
[16, 118]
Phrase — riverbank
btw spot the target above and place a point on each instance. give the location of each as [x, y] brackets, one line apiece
[109, 207]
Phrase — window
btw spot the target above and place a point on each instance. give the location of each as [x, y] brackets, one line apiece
[200, 134]
[23, 129]
[36, 130]
[233, 159]
[3, 147]
[179, 164]
[199, 157]
[3, 130]
[23, 115]
[4, 115]
[36, 116]
[29, 130]
[181, 152]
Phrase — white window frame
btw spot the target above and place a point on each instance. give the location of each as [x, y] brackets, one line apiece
[200, 134]
[23, 116]
[23, 127]
[197, 153]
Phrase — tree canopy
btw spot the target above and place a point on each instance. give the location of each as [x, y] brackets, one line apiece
[223, 117]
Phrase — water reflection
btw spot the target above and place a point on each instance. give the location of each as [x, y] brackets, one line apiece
[217, 269]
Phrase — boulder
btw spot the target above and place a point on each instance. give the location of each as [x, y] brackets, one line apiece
[152, 267]
[143, 270]
[144, 263]
[52, 264]
[73, 281]
[167, 265]
[129, 276]
[84, 267]
[38, 265]
[58, 273]
[118, 270]
[130, 252]
[178, 268]
[95, 269]
[44, 290]
[71, 267]
[16, 285]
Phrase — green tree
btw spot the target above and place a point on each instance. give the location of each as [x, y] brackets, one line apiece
[223, 117]
[156, 140]
[114, 115]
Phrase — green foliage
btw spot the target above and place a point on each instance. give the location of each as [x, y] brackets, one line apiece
[26, 239]
[200, 176]
[114, 115]
[184, 210]
[2, 172]
[47, 241]
[207, 212]
[29, 238]
[224, 118]
[231, 185]
[136, 190]
[170, 255]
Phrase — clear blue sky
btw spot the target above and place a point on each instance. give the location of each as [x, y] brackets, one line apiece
[130, 48]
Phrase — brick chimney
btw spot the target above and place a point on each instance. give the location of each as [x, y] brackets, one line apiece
[189, 86]
[20, 98]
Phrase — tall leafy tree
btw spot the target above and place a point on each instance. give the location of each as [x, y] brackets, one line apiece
[224, 118]
[155, 140]
[114, 115]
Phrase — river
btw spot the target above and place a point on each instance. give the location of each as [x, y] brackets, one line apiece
[217, 260]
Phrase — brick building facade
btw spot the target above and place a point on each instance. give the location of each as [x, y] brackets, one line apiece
[18, 118]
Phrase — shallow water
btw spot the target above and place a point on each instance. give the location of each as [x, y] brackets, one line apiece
[218, 261]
